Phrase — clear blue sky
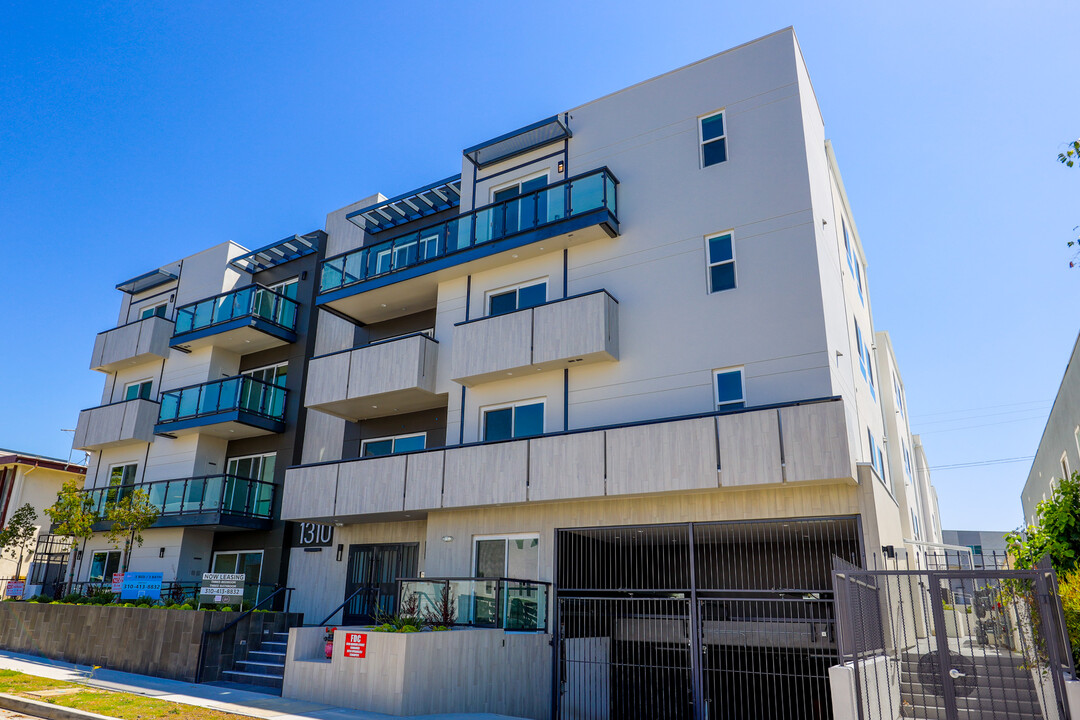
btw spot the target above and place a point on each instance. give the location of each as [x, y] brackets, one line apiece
[135, 133]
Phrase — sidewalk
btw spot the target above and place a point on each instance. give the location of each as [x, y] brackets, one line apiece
[241, 702]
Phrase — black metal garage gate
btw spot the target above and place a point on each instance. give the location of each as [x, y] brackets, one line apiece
[698, 621]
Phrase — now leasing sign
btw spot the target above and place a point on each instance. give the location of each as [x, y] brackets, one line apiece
[356, 645]
[227, 588]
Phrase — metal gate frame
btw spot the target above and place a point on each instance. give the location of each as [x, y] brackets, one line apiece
[697, 670]
[849, 580]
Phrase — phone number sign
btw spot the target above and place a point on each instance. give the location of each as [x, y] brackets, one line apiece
[356, 645]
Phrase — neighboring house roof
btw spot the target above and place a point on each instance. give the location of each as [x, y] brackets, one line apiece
[14, 457]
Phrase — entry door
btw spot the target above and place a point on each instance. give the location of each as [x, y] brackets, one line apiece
[374, 570]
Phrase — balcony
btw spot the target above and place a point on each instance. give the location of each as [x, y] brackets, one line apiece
[131, 344]
[734, 450]
[374, 282]
[505, 603]
[245, 320]
[575, 331]
[123, 423]
[385, 378]
[214, 501]
[231, 408]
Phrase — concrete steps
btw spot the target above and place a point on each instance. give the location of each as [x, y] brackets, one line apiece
[264, 666]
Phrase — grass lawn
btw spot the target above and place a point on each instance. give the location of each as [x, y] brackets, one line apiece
[116, 704]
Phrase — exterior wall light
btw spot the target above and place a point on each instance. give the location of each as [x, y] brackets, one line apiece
[447, 538]
[161, 553]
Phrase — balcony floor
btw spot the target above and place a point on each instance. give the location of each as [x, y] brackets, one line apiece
[231, 425]
[243, 335]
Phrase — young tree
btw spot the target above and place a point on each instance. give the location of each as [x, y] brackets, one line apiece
[130, 515]
[73, 515]
[18, 534]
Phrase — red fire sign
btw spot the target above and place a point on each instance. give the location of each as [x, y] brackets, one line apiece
[355, 645]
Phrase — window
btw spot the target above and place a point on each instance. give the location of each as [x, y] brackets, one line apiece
[248, 562]
[713, 139]
[847, 246]
[870, 372]
[138, 389]
[122, 477]
[253, 467]
[391, 445]
[286, 288]
[513, 217]
[519, 297]
[271, 374]
[859, 347]
[523, 419]
[730, 394]
[858, 278]
[154, 311]
[104, 565]
[509, 556]
[1076, 437]
[721, 258]
[1065, 474]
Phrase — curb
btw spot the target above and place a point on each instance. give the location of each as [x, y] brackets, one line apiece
[45, 710]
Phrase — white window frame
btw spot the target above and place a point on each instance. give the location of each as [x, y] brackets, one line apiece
[1076, 437]
[140, 383]
[488, 294]
[276, 287]
[484, 410]
[702, 142]
[709, 265]
[395, 438]
[1065, 468]
[741, 369]
[251, 372]
[518, 182]
[113, 466]
[262, 563]
[142, 311]
[251, 457]
[506, 537]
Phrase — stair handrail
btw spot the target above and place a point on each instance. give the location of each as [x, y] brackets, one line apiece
[334, 612]
[221, 631]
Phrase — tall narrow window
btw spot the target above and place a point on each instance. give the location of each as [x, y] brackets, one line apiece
[858, 278]
[523, 419]
[847, 246]
[859, 347]
[721, 258]
[121, 481]
[713, 139]
[730, 394]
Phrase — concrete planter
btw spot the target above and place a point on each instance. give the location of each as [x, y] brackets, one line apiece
[162, 643]
[468, 671]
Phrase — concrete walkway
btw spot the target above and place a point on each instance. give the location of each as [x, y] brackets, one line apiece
[241, 702]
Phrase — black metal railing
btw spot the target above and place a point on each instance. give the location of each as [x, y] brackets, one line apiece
[234, 393]
[549, 205]
[255, 300]
[287, 591]
[225, 494]
[507, 603]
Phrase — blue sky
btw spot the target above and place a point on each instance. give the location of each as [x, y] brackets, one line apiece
[132, 134]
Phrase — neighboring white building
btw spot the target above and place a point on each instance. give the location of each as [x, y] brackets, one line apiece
[31, 479]
[627, 357]
[1058, 454]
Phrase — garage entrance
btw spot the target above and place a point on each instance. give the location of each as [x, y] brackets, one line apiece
[698, 621]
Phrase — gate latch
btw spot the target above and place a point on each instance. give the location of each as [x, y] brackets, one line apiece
[955, 674]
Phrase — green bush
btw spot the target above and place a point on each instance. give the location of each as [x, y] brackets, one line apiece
[1069, 590]
[186, 606]
[73, 598]
[226, 608]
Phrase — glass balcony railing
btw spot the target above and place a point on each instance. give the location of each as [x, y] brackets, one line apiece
[222, 494]
[479, 602]
[547, 206]
[253, 300]
[234, 393]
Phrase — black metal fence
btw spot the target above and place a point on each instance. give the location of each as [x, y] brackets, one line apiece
[951, 644]
[696, 621]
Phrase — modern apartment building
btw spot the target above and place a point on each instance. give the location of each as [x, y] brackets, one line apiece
[1058, 454]
[625, 358]
[203, 409]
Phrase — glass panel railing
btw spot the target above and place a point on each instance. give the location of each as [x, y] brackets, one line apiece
[214, 493]
[532, 210]
[235, 393]
[480, 602]
[249, 300]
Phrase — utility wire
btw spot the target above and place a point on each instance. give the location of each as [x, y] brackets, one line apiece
[986, 407]
[981, 463]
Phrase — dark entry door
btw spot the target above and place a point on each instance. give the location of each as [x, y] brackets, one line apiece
[374, 571]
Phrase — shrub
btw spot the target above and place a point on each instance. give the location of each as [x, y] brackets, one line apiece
[226, 608]
[1069, 590]
[75, 598]
[186, 606]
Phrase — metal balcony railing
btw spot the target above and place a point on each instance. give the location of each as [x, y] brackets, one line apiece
[250, 300]
[506, 603]
[222, 494]
[233, 393]
[547, 206]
